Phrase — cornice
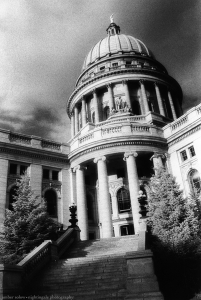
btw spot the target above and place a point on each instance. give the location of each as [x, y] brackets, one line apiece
[165, 77]
[183, 136]
[33, 153]
[116, 144]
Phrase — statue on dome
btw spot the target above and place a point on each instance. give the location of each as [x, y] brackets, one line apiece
[112, 18]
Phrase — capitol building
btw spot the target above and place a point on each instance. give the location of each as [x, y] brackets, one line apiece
[126, 121]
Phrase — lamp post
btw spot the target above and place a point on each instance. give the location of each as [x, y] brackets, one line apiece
[142, 240]
[73, 220]
[143, 201]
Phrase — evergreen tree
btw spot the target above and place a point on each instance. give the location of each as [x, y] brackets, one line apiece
[175, 228]
[171, 217]
[27, 225]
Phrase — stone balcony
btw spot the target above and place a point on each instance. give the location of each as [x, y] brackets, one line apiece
[120, 125]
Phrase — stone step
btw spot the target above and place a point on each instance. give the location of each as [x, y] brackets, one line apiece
[90, 270]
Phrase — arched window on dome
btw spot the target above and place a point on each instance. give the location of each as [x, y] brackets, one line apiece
[194, 180]
[106, 112]
[12, 194]
[51, 201]
[93, 117]
[123, 200]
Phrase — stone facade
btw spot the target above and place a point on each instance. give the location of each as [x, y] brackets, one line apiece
[126, 121]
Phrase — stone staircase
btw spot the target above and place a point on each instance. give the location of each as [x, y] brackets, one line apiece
[91, 270]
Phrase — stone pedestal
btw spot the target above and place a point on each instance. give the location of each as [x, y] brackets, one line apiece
[141, 281]
[10, 281]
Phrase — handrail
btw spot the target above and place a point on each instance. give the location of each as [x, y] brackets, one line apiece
[46, 252]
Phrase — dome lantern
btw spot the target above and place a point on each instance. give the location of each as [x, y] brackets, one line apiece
[113, 28]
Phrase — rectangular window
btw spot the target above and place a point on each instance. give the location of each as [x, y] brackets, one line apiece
[184, 155]
[13, 169]
[46, 174]
[102, 68]
[191, 151]
[55, 175]
[23, 170]
[115, 64]
[128, 62]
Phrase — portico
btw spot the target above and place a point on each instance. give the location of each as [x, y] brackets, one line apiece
[109, 174]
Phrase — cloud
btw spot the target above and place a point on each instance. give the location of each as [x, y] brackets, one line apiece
[43, 45]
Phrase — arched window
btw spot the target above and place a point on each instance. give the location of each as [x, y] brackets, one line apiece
[12, 193]
[106, 112]
[194, 179]
[123, 199]
[51, 200]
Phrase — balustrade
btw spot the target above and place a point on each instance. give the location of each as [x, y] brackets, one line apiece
[179, 123]
[18, 138]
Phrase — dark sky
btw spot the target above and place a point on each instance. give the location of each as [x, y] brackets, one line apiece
[43, 44]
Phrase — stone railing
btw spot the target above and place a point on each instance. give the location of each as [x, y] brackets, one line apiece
[140, 128]
[122, 119]
[179, 123]
[45, 253]
[86, 138]
[110, 130]
[19, 138]
[50, 145]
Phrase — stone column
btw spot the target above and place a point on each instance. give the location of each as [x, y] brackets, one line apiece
[111, 98]
[133, 186]
[172, 106]
[81, 203]
[157, 161]
[76, 119]
[72, 125]
[159, 99]
[97, 115]
[144, 96]
[126, 90]
[84, 114]
[104, 198]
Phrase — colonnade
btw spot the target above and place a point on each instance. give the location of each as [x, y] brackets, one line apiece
[104, 206]
[144, 104]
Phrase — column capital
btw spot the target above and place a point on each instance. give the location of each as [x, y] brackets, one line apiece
[83, 98]
[127, 154]
[103, 158]
[79, 167]
[157, 155]
[141, 81]
[109, 85]
[94, 91]
[156, 83]
[71, 170]
[125, 81]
